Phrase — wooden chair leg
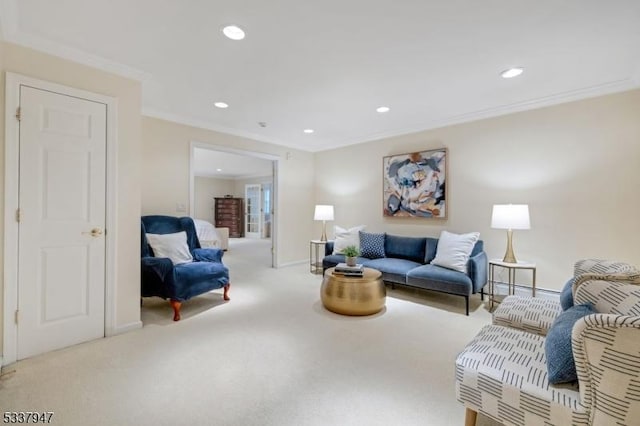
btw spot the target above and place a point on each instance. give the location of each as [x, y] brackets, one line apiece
[176, 309]
[470, 417]
[226, 292]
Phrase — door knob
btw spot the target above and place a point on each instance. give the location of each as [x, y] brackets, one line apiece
[95, 232]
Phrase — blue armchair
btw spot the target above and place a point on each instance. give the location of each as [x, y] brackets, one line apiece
[160, 277]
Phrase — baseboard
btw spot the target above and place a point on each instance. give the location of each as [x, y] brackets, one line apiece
[294, 263]
[542, 293]
[127, 327]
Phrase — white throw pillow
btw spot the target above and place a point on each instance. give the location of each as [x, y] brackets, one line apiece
[454, 250]
[173, 246]
[344, 238]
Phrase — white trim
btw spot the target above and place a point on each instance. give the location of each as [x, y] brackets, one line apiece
[11, 173]
[525, 291]
[111, 290]
[127, 328]
[202, 124]
[11, 203]
[294, 263]
[274, 198]
[616, 86]
[10, 32]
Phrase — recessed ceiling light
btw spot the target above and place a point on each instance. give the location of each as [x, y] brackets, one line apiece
[511, 72]
[218, 170]
[221, 105]
[233, 32]
[383, 109]
[308, 131]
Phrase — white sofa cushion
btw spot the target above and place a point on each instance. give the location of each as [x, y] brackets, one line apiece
[344, 238]
[454, 250]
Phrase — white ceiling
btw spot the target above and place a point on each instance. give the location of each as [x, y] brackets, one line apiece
[226, 165]
[328, 64]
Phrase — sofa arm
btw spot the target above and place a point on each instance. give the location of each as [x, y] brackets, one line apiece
[610, 294]
[477, 270]
[606, 349]
[208, 255]
[157, 277]
[160, 265]
[328, 248]
[223, 238]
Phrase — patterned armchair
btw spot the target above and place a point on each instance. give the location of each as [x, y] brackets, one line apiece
[502, 372]
[200, 272]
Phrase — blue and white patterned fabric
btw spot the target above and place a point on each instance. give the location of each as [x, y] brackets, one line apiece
[502, 372]
[372, 245]
[585, 269]
[532, 314]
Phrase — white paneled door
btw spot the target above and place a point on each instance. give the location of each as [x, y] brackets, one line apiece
[61, 265]
[253, 212]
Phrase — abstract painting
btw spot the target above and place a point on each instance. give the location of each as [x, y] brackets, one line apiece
[415, 184]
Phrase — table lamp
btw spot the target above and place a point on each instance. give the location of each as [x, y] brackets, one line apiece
[323, 213]
[510, 217]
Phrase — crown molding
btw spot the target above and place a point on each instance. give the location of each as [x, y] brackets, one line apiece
[616, 86]
[188, 121]
[9, 32]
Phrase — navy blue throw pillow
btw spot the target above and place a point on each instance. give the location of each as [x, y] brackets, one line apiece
[566, 295]
[561, 366]
[372, 245]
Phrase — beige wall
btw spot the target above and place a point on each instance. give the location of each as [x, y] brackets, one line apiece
[240, 183]
[128, 93]
[165, 179]
[577, 165]
[205, 190]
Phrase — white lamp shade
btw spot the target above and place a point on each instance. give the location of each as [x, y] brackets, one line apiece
[323, 212]
[510, 216]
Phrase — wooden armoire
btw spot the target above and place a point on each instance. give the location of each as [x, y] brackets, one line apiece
[229, 214]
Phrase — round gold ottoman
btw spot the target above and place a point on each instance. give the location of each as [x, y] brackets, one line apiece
[353, 295]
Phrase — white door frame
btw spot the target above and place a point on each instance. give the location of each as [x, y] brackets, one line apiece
[274, 188]
[11, 204]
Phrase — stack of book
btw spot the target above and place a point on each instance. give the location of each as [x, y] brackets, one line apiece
[349, 271]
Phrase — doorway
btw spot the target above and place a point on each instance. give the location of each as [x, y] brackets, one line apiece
[229, 173]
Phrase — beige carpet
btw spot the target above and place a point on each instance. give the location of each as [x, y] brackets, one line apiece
[271, 356]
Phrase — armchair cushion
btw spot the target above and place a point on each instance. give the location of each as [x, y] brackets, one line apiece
[561, 366]
[532, 314]
[502, 373]
[173, 246]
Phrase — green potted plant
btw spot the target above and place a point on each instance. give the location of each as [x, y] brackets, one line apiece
[350, 255]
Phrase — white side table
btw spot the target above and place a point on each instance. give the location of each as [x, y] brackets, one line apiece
[512, 268]
[316, 253]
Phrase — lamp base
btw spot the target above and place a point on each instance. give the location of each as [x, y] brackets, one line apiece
[324, 231]
[509, 256]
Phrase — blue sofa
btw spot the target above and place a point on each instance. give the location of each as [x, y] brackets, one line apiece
[407, 261]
